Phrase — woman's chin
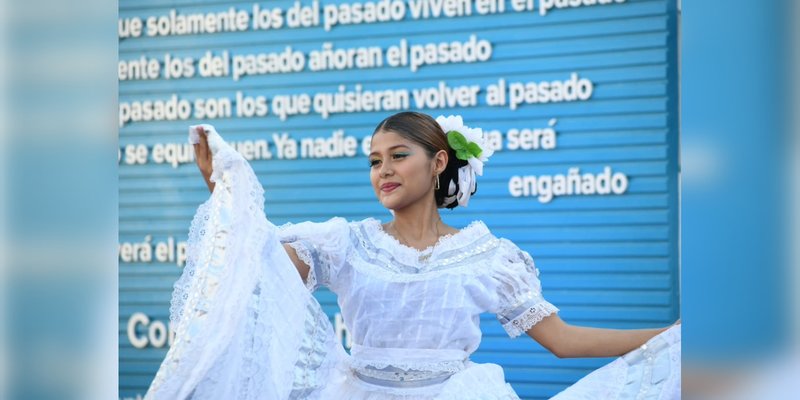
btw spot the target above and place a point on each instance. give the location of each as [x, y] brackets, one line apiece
[391, 205]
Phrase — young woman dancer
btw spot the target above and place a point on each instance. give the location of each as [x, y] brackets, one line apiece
[411, 290]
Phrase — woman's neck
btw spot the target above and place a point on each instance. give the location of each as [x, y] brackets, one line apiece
[419, 225]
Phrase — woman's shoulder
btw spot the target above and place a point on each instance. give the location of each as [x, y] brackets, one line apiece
[333, 228]
[354, 223]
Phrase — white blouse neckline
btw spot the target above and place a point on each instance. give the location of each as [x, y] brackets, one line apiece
[463, 237]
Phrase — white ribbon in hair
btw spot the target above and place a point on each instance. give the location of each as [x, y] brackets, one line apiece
[466, 174]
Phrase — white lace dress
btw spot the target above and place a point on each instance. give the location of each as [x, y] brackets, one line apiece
[247, 327]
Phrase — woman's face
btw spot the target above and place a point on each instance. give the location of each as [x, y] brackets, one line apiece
[400, 171]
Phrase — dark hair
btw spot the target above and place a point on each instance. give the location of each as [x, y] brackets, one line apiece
[425, 131]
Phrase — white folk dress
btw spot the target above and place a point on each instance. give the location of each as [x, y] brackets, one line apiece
[247, 327]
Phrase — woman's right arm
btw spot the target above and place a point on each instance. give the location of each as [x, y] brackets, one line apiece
[302, 268]
[204, 159]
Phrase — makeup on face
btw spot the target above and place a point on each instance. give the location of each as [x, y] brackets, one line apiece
[396, 152]
[398, 170]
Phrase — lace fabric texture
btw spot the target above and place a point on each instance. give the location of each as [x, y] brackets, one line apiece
[530, 317]
[391, 374]
[235, 301]
[305, 255]
[406, 365]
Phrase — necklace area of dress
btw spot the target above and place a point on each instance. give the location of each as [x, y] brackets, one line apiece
[424, 255]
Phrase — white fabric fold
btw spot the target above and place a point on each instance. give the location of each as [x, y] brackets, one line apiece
[238, 300]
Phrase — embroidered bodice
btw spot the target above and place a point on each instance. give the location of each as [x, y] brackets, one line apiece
[395, 298]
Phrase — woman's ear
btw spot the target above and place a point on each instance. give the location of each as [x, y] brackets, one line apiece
[440, 161]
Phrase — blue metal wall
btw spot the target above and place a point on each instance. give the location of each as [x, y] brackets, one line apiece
[605, 260]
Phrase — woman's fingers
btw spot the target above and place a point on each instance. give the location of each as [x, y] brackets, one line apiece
[199, 155]
[203, 156]
[201, 151]
[204, 142]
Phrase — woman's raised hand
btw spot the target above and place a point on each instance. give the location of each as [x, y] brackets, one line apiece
[203, 157]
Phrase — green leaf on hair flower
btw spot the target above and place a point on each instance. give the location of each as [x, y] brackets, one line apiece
[464, 149]
[456, 140]
[474, 149]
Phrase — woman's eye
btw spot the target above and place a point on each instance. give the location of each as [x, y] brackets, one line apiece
[373, 163]
[400, 155]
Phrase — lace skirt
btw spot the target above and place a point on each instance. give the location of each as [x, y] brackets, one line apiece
[247, 328]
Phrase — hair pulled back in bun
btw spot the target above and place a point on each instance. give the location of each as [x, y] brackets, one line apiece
[426, 132]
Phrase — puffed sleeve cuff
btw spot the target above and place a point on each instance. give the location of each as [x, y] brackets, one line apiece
[518, 320]
[309, 255]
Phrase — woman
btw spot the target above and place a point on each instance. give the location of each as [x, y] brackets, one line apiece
[411, 290]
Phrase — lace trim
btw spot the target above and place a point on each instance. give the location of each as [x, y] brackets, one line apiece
[429, 367]
[304, 254]
[252, 371]
[411, 256]
[181, 287]
[378, 226]
[195, 301]
[529, 318]
[402, 375]
[308, 376]
[385, 268]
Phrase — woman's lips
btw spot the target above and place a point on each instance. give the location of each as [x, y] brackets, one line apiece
[388, 187]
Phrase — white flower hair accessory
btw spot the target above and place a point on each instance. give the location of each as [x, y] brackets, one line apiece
[470, 145]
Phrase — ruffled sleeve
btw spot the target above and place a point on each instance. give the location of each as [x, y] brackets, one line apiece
[323, 246]
[245, 326]
[519, 301]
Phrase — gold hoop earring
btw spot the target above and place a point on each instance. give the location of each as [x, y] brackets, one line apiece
[436, 187]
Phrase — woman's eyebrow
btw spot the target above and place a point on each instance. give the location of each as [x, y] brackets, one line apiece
[389, 149]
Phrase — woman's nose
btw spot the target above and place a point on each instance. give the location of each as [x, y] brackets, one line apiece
[386, 169]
